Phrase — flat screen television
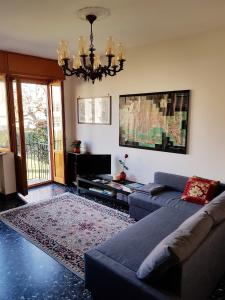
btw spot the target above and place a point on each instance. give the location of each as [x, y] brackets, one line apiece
[93, 164]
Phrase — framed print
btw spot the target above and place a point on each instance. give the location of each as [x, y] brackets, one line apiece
[155, 121]
[94, 110]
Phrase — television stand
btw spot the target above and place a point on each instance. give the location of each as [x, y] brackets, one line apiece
[114, 191]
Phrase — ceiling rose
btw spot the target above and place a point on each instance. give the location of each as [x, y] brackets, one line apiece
[99, 12]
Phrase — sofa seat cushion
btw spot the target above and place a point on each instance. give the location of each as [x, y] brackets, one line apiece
[132, 245]
[167, 198]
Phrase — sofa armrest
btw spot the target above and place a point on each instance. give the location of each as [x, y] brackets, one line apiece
[108, 279]
[204, 269]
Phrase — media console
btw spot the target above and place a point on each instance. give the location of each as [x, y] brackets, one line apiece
[115, 191]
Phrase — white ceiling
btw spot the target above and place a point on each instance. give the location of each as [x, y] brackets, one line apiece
[35, 27]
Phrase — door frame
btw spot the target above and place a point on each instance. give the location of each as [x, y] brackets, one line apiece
[57, 83]
[12, 128]
[20, 160]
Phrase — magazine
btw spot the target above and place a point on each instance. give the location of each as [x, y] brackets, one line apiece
[134, 185]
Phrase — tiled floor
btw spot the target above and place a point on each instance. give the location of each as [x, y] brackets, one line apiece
[44, 192]
[34, 194]
[6, 204]
[26, 272]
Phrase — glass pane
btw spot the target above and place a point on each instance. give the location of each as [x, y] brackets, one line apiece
[57, 117]
[35, 118]
[86, 110]
[17, 125]
[4, 130]
[102, 110]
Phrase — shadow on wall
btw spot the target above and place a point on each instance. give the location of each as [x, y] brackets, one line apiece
[88, 147]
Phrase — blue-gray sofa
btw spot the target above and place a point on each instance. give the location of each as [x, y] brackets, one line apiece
[111, 268]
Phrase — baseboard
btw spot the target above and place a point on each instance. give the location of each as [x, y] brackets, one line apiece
[8, 196]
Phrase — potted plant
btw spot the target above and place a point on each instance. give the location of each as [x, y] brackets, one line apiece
[76, 146]
[123, 164]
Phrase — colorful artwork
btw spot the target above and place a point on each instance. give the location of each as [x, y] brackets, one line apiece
[155, 121]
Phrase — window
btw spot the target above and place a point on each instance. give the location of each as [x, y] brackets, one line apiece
[4, 127]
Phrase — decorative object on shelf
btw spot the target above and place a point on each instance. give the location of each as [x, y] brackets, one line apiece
[76, 146]
[83, 148]
[94, 110]
[123, 175]
[155, 121]
[86, 64]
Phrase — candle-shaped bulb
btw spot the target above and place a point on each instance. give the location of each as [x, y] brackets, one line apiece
[121, 52]
[76, 62]
[60, 59]
[110, 46]
[113, 62]
[82, 46]
[64, 49]
[97, 61]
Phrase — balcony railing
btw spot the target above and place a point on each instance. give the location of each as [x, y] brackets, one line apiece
[38, 161]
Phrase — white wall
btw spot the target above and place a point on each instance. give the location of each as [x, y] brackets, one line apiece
[195, 63]
[7, 171]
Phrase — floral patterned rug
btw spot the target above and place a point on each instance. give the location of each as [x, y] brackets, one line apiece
[66, 226]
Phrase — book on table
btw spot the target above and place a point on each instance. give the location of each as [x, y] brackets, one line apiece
[134, 185]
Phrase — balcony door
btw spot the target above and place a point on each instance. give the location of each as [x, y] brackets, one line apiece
[16, 128]
[57, 121]
[35, 102]
[39, 140]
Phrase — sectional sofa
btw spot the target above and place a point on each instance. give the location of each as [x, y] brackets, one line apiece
[112, 268]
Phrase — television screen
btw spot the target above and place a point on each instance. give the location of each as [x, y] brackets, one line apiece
[93, 164]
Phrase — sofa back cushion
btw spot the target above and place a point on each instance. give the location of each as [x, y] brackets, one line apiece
[176, 247]
[176, 182]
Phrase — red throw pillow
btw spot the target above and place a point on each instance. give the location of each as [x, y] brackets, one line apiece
[199, 190]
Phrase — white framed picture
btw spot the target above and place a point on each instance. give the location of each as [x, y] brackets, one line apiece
[94, 110]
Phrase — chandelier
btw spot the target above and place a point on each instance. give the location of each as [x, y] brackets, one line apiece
[86, 64]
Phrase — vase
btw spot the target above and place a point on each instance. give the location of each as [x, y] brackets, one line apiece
[123, 176]
[76, 150]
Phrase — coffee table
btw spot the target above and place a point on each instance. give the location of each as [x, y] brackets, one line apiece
[115, 191]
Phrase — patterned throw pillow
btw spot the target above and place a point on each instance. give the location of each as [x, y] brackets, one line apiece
[199, 190]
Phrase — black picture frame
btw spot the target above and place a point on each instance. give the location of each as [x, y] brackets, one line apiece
[138, 115]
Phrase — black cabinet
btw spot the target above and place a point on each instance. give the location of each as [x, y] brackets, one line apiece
[71, 167]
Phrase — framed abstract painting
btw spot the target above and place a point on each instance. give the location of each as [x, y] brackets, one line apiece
[155, 121]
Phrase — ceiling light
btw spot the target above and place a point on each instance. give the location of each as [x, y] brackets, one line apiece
[86, 63]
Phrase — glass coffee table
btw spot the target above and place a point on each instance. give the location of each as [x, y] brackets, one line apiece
[116, 191]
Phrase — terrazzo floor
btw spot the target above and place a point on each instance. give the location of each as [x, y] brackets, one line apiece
[28, 273]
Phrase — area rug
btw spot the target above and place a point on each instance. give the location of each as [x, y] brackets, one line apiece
[66, 226]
